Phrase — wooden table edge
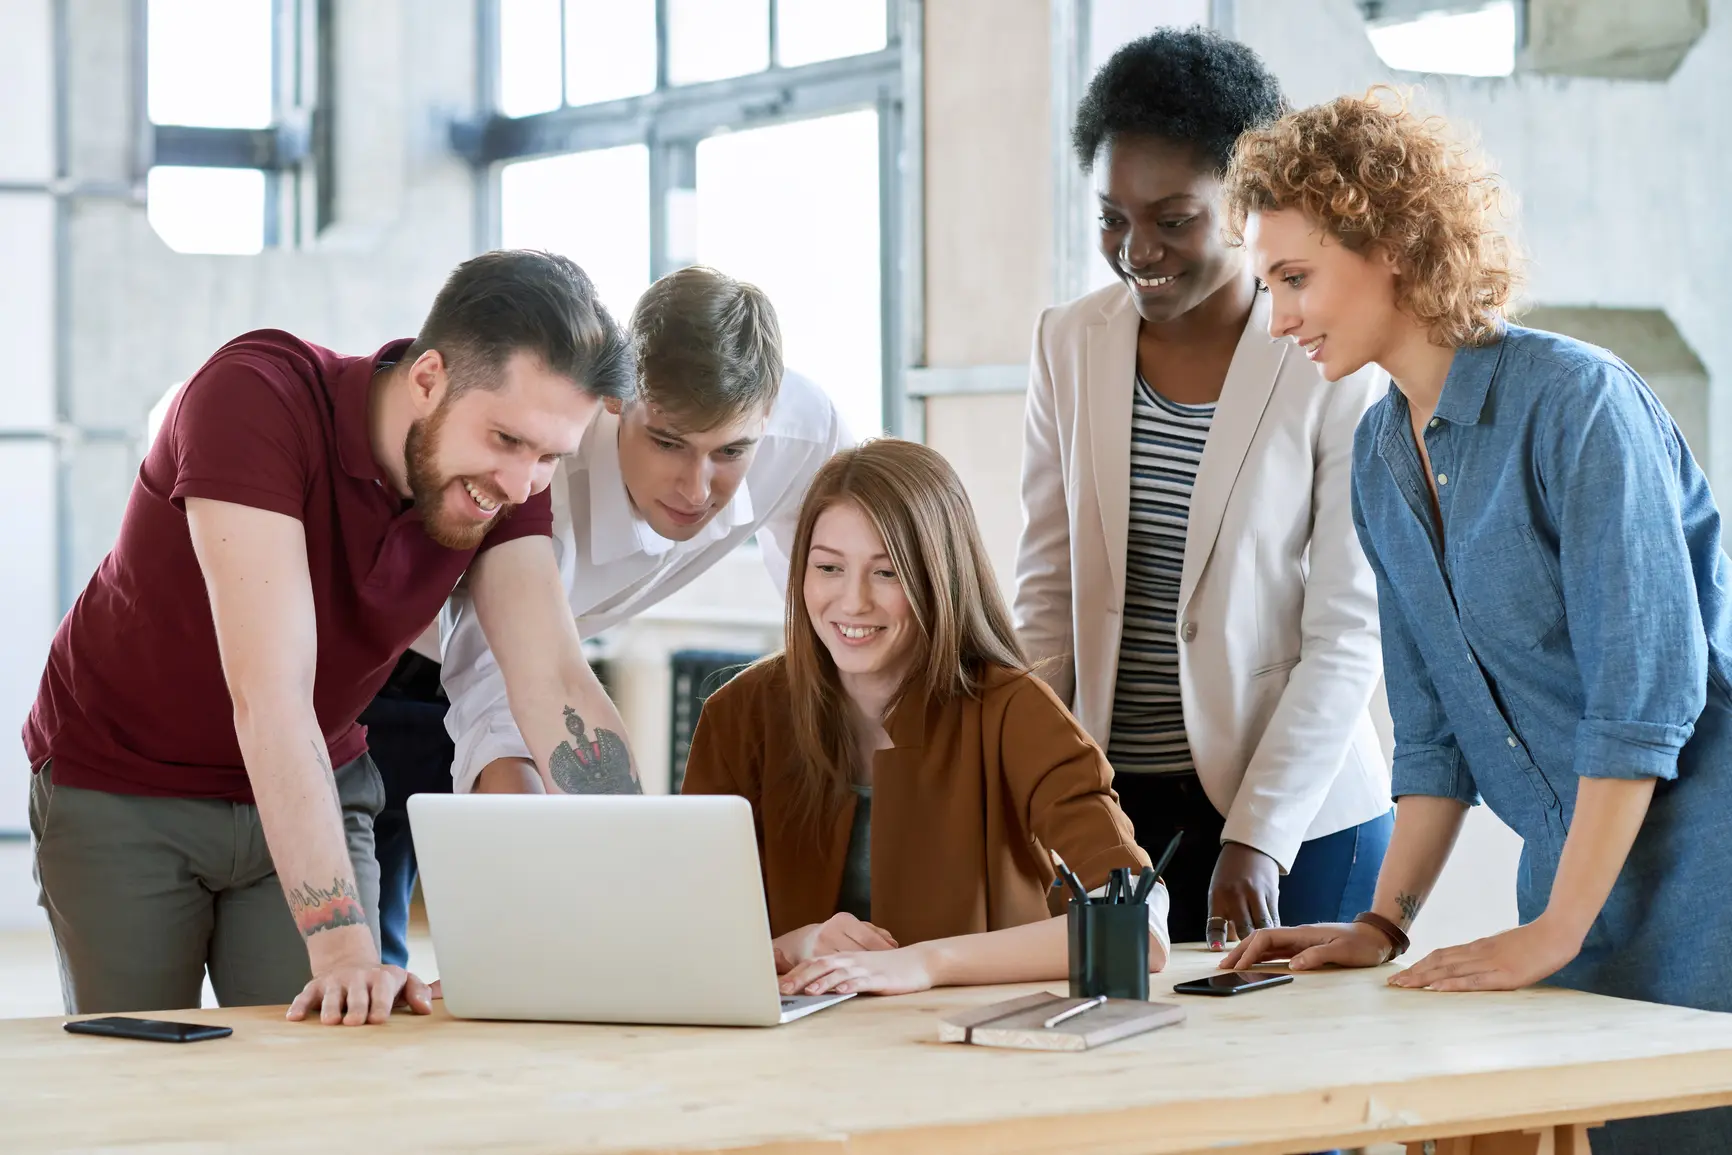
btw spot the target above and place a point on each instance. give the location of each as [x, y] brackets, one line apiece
[1386, 1112]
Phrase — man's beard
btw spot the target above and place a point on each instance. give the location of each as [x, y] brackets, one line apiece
[427, 488]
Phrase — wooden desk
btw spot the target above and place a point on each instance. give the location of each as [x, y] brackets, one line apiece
[1332, 1059]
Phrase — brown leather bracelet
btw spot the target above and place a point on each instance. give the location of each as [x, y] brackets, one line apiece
[1397, 938]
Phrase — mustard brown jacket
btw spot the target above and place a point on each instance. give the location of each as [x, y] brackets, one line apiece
[965, 805]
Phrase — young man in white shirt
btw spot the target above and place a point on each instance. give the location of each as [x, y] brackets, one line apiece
[717, 447]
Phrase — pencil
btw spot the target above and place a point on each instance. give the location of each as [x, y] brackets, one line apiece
[1080, 1008]
[1078, 894]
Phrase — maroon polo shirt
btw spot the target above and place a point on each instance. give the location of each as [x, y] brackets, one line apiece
[133, 700]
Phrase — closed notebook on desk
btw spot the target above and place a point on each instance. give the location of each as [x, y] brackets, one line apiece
[1021, 1023]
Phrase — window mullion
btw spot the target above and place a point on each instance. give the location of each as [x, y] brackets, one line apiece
[564, 60]
[673, 166]
[661, 44]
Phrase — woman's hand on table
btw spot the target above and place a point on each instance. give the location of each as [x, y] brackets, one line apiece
[1504, 962]
[1244, 894]
[880, 972]
[1342, 944]
[839, 934]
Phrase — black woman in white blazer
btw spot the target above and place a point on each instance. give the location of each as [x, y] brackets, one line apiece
[1188, 566]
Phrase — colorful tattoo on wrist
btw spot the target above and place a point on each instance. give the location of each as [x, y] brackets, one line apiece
[318, 908]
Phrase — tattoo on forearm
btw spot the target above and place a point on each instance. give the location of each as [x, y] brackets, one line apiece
[598, 766]
[318, 908]
[1409, 904]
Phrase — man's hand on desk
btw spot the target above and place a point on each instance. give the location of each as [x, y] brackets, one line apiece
[349, 985]
[1342, 944]
[840, 933]
[361, 993]
[1504, 962]
[1244, 894]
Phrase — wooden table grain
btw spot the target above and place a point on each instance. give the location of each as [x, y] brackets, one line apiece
[1334, 1059]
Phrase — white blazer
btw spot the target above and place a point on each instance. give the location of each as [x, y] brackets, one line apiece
[1277, 614]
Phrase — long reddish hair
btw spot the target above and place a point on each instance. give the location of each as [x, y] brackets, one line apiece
[915, 501]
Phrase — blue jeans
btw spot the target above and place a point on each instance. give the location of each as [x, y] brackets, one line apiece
[1332, 879]
[413, 752]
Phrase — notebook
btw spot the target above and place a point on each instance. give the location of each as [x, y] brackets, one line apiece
[1020, 1023]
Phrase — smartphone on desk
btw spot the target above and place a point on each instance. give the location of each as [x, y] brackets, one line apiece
[1233, 983]
[151, 1030]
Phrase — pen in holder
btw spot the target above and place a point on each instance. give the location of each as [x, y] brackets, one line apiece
[1109, 950]
[1109, 934]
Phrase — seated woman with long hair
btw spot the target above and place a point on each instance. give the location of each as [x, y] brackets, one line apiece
[908, 775]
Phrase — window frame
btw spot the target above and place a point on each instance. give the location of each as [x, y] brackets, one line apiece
[296, 151]
[672, 119]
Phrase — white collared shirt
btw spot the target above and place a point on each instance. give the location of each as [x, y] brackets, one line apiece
[615, 566]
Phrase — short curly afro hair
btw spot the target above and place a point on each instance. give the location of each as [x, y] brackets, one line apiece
[1190, 86]
[1373, 173]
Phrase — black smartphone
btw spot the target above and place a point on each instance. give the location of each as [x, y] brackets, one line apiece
[1233, 983]
[152, 1030]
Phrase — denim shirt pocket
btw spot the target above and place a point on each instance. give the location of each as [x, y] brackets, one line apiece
[1508, 588]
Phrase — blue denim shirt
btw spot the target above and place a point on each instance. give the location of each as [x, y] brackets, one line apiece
[1574, 620]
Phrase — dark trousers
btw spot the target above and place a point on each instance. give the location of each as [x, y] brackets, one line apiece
[1332, 880]
[409, 744]
[145, 895]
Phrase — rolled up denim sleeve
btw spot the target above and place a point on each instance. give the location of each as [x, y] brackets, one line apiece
[1427, 758]
[1610, 462]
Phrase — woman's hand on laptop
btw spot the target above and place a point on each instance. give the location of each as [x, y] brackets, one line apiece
[838, 934]
[879, 972]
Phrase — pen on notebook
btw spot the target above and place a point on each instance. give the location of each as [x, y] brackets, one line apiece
[1070, 878]
[1080, 1008]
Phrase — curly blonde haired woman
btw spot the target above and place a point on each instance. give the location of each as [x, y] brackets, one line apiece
[1557, 630]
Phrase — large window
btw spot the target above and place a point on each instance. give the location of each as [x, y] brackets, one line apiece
[764, 137]
[239, 151]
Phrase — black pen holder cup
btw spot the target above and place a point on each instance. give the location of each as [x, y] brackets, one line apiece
[1109, 950]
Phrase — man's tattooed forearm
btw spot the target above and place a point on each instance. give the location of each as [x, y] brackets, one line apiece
[318, 908]
[598, 766]
[1409, 904]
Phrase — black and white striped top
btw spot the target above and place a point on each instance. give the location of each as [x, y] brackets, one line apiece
[1148, 731]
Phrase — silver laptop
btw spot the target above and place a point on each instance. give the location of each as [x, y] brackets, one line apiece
[600, 909]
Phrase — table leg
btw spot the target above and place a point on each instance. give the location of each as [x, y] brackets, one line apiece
[1565, 1139]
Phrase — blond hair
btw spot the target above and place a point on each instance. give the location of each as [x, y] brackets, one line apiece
[709, 348]
[1372, 174]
